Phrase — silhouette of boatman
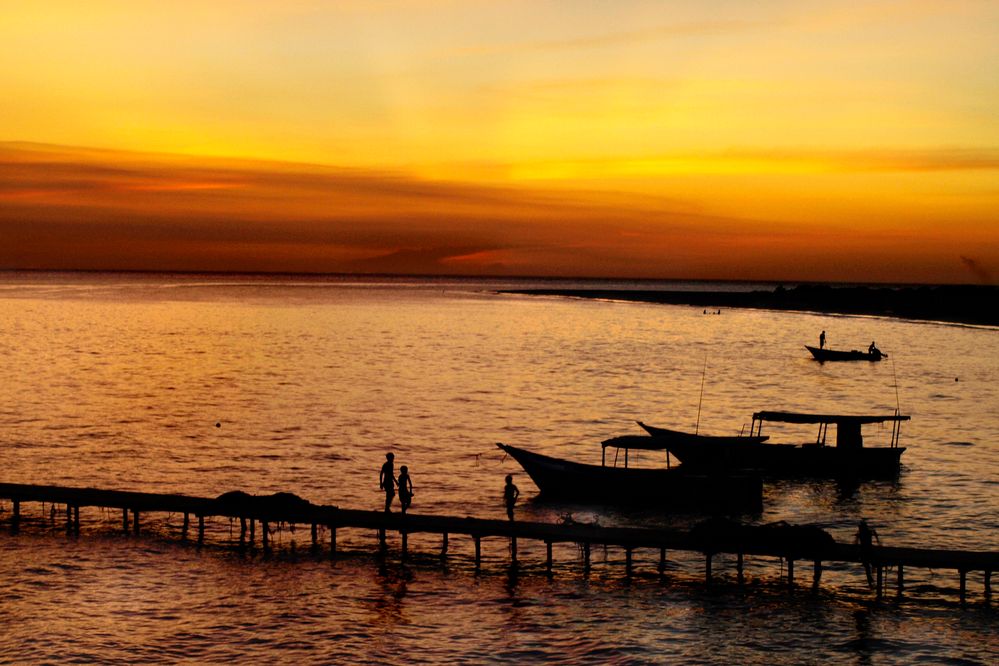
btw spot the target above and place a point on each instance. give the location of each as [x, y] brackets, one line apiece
[386, 480]
[873, 350]
[405, 488]
[510, 495]
[822, 339]
[866, 536]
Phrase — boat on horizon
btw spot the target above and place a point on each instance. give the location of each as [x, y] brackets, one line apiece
[668, 489]
[848, 458]
[822, 355]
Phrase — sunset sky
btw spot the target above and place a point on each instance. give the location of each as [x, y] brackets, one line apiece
[780, 140]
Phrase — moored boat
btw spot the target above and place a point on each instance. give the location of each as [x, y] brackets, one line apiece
[848, 458]
[668, 489]
[822, 355]
[679, 435]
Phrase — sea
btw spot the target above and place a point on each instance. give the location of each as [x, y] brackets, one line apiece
[204, 384]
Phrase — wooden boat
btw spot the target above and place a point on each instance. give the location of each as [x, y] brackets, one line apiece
[679, 435]
[847, 459]
[675, 489]
[822, 355]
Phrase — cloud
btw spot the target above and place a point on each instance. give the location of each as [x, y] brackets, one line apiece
[982, 275]
[79, 209]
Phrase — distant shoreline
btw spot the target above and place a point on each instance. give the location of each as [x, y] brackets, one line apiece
[960, 304]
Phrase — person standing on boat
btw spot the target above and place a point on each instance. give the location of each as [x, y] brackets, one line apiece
[405, 488]
[510, 495]
[866, 536]
[386, 480]
[822, 339]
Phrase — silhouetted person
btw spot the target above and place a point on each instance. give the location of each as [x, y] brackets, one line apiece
[510, 495]
[405, 488]
[822, 339]
[866, 536]
[874, 351]
[386, 480]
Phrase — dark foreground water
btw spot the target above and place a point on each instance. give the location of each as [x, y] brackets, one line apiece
[118, 381]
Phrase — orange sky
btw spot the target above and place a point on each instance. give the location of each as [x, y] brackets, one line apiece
[764, 141]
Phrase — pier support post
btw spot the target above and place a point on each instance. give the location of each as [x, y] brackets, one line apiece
[738, 569]
[242, 532]
[548, 562]
[816, 574]
[901, 579]
[444, 545]
[315, 537]
[513, 551]
[707, 569]
[187, 524]
[135, 522]
[790, 573]
[69, 519]
[265, 535]
[124, 520]
[16, 519]
[201, 530]
[478, 552]
[586, 558]
[76, 520]
[627, 561]
[253, 530]
[964, 584]
[332, 540]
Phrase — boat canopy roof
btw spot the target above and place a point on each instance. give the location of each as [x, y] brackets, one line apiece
[645, 442]
[794, 417]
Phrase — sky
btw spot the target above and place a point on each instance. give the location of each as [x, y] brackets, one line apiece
[765, 140]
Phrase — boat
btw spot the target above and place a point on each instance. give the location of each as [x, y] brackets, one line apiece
[847, 459]
[679, 435]
[669, 489]
[823, 355]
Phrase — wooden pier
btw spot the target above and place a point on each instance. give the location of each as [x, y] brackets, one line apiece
[287, 508]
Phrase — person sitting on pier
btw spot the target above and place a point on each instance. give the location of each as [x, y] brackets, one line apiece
[386, 480]
[405, 488]
[822, 339]
[510, 495]
[866, 536]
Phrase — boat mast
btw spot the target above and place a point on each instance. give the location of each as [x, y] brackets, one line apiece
[704, 371]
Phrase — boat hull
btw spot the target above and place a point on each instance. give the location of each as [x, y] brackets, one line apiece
[789, 460]
[823, 355]
[667, 434]
[669, 489]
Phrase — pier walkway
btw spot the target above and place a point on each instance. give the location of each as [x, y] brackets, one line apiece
[288, 508]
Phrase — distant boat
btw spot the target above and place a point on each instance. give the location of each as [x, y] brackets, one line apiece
[847, 459]
[680, 436]
[823, 355]
[667, 489]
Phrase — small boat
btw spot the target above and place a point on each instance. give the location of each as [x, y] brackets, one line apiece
[822, 355]
[847, 459]
[675, 489]
[679, 435]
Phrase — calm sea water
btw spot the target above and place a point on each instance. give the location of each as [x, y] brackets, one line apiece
[118, 381]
